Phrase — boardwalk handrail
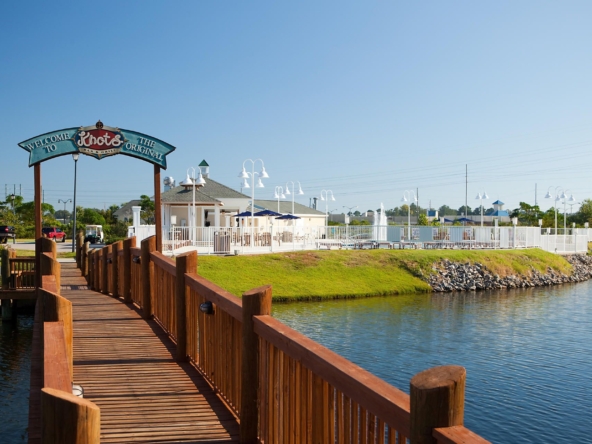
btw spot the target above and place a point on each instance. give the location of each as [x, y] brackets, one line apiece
[303, 391]
[64, 417]
[342, 389]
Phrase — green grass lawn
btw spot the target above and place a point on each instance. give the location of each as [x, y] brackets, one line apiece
[31, 253]
[309, 275]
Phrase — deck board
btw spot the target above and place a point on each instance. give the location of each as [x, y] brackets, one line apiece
[126, 366]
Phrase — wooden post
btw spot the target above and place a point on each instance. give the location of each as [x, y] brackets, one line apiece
[68, 419]
[49, 246]
[96, 275]
[129, 243]
[91, 269]
[38, 223]
[84, 259]
[117, 247]
[105, 277]
[99, 268]
[256, 302]
[5, 263]
[185, 263]
[157, 209]
[55, 309]
[79, 247]
[51, 267]
[148, 246]
[437, 399]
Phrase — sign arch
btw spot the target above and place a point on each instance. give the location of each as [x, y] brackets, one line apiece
[98, 141]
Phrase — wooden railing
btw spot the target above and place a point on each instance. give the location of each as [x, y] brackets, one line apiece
[283, 386]
[64, 417]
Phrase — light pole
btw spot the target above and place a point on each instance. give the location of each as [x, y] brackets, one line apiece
[293, 193]
[555, 199]
[75, 157]
[407, 198]
[64, 202]
[482, 196]
[565, 199]
[326, 199]
[279, 194]
[246, 175]
[193, 182]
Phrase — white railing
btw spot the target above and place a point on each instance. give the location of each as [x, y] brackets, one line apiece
[221, 240]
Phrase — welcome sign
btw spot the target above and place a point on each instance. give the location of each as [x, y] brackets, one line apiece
[97, 141]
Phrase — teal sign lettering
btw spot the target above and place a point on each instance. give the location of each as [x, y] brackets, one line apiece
[97, 141]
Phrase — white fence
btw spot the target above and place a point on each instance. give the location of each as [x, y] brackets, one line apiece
[219, 240]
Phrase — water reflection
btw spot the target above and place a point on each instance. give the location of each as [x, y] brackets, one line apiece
[527, 352]
[15, 367]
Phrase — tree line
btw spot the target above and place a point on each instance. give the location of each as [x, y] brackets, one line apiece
[21, 215]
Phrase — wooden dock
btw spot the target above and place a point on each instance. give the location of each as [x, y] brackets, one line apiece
[126, 366]
[164, 355]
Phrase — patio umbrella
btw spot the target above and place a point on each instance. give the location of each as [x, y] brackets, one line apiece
[267, 213]
[464, 219]
[245, 214]
[288, 217]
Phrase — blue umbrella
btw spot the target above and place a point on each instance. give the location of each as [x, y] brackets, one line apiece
[244, 214]
[267, 213]
[287, 217]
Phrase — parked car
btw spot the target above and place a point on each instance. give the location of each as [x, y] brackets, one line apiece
[54, 234]
[7, 232]
[94, 234]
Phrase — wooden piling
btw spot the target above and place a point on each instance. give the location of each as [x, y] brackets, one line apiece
[5, 264]
[256, 302]
[117, 246]
[148, 246]
[84, 260]
[68, 419]
[128, 244]
[437, 399]
[185, 263]
[105, 276]
[51, 267]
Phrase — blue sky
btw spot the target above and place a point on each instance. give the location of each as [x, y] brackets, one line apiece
[366, 99]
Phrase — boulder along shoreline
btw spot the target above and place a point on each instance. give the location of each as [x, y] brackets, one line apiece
[453, 276]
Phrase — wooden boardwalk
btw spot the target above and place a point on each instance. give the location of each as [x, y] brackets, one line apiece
[126, 366]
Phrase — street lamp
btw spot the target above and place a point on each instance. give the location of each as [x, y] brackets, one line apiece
[64, 202]
[555, 199]
[75, 157]
[193, 182]
[482, 196]
[326, 199]
[350, 209]
[406, 198]
[279, 194]
[293, 193]
[565, 200]
[246, 175]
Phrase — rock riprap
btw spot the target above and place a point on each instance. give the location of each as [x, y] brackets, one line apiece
[452, 276]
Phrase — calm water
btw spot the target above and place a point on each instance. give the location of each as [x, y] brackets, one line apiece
[528, 354]
[15, 367]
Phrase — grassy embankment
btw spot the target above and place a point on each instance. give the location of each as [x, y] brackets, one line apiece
[312, 275]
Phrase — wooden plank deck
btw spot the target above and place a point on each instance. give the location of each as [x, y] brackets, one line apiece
[126, 366]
